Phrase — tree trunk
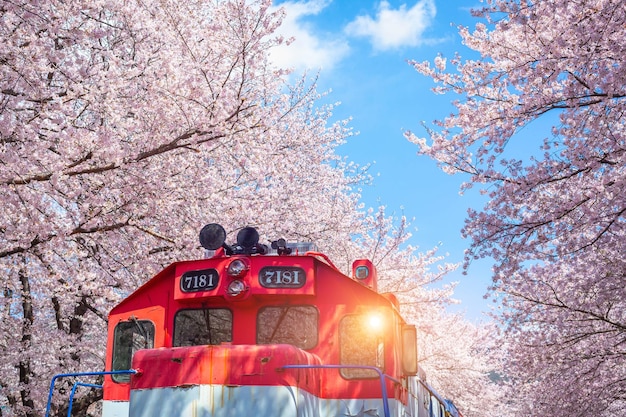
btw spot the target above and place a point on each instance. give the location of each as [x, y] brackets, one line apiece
[24, 365]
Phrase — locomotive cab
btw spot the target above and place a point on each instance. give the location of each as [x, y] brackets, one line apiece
[279, 332]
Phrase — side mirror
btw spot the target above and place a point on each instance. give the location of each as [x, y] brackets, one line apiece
[409, 350]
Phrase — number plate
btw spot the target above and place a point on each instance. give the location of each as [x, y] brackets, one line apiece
[282, 277]
[203, 280]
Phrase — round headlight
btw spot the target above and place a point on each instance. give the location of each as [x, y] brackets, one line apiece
[237, 268]
[235, 288]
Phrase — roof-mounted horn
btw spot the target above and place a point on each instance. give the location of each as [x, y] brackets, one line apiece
[212, 236]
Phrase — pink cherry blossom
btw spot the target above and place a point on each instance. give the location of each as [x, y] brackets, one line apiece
[555, 224]
[125, 127]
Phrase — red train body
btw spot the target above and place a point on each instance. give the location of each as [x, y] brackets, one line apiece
[244, 332]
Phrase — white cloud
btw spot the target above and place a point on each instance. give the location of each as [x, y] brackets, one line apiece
[393, 29]
[309, 49]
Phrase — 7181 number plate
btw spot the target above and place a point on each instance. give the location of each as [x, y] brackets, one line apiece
[282, 277]
[202, 280]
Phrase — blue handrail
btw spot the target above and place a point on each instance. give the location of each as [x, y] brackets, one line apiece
[76, 385]
[79, 374]
[381, 376]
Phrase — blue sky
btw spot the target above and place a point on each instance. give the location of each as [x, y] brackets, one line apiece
[361, 48]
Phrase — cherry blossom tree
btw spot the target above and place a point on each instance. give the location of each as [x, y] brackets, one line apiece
[555, 222]
[462, 361]
[126, 126]
[459, 358]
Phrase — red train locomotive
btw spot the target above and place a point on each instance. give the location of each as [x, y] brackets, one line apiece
[263, 331]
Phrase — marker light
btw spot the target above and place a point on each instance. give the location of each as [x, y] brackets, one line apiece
[237, 268]
[362, 272]
[235, 288]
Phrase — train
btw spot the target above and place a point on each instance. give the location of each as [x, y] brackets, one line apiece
[267, 331]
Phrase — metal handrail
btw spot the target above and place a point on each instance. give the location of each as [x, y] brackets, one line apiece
[76, 385]
[79, 374]
[380, 373]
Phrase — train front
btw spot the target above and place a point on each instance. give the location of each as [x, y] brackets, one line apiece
[245, 332]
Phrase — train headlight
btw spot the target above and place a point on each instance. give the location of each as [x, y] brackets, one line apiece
[237, 268]
[375, 322]
[236, 287]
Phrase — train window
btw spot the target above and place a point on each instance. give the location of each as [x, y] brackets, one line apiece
[129, 337]
[359, 345]
[203, 326]
[294, 325]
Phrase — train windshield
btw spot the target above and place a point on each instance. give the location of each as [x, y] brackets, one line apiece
[360, 345]
[203, 326]
[293, 325]
[129, 337]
